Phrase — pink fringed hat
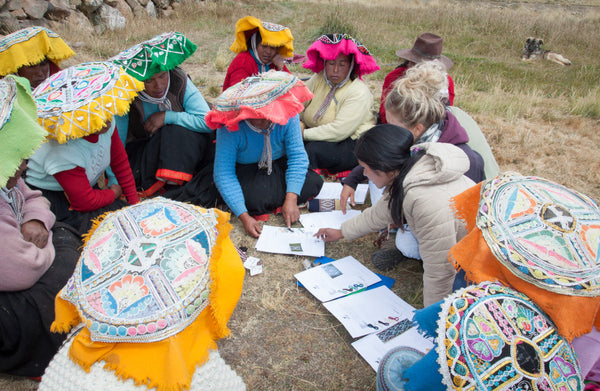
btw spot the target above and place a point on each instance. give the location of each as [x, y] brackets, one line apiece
[274, 95]
[329, 46]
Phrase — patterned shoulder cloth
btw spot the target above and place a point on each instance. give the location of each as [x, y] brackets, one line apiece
[153, 290]
[486, 337]
[31, 46]
[538, 237]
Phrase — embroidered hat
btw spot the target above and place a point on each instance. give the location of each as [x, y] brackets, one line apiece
[159, 54]
[157, 280]
[539, 237]
[80, 100]
[273, 95]
[329, 46]
[20, 133]
[427, 47]
[272, 34]
[30, 46]
[491, 337]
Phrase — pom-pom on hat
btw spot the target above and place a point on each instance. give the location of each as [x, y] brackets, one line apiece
[159, 54]
[538, 237]
[273, 95]
[427, 47]
[20, 133]
[154, 287]
[272, 34]
[329, 46]
[81, 100]
[30, 46]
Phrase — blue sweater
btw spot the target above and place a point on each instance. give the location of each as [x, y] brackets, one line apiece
[245, 146]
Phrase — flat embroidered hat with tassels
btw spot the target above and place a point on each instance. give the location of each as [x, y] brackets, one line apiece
[159, 54]
[158, 280]
[538, 237]
[81, 100]
[491, 337]
[272, 34]
[273, 95]
[330, 46]
[20, 133]
[31, 46]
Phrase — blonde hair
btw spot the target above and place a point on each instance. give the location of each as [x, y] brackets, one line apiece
[417, 98]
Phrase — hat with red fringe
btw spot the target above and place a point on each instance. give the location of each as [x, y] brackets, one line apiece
[30, 46]
[272, 34]
[154, 288]
[273, 95]
[81, 100]
[330, 46]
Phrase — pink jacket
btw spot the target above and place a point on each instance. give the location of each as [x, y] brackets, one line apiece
[22, 263]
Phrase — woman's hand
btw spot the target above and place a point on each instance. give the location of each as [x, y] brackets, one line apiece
[329, 234]
[251, 226]
[347, 192]
[277, 62]
[290, 210]
[35, 232]
[117, 190]
[154, 122]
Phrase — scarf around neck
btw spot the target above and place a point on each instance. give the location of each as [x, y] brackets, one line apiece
[261, 67]
[266, 159]
[333, 88]
[432, 134]
[164, 104]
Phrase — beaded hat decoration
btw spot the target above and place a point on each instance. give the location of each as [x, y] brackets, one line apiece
[491, 337]
[153, 279]
[546, 233]
[272, 34]
[159, 54]
[20, 133]
[330, 46]
[31, 46]
[273, 95]
[82, 99]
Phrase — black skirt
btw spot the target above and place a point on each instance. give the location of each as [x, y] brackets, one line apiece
[334, 157]
[264, 193]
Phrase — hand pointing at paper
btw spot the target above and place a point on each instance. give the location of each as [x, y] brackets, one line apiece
[329, 234]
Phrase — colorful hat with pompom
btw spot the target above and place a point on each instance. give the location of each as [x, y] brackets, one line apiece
[30, 46]
[81, 100]
[273, 95]
[20, 133]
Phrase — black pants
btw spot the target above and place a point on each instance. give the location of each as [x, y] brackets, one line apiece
[264, 193]
[334, 157]
[26, 343]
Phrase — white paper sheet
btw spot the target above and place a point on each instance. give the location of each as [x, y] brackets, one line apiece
[333, 190]
[373, 347]
[294, 241]
[336, 279]
[334, 219]
[370, 311]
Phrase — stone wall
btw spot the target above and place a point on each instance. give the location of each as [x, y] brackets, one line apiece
[92, 15]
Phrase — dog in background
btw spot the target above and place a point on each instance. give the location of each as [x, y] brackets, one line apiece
[533, 50]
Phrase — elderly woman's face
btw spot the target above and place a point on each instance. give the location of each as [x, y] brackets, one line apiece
[157, 85]
[265, 53]
[36, 74]
[260, 123]
[337, 69]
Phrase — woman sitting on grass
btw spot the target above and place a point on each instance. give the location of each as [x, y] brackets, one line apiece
[260, 47]
[260, 162]
[341, 109]
[419, 183]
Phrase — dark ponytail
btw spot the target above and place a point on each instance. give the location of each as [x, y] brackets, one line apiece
[386, 148]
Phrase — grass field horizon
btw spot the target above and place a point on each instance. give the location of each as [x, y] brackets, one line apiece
[540, 119]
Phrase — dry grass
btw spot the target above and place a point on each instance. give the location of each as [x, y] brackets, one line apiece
[540, 119]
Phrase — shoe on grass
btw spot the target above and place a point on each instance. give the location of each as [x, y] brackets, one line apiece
[386, 258]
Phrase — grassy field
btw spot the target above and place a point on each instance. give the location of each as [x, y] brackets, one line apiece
[540, 119]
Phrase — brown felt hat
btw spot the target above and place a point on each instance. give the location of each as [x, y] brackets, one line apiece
[427, 47]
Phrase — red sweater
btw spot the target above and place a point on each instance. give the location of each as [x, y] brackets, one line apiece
[82, 196]
[242, 66]
[397, 74]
